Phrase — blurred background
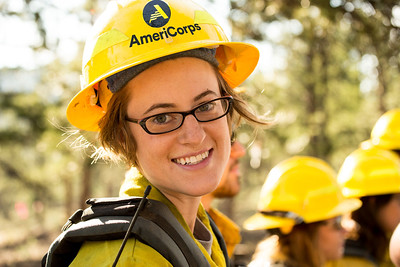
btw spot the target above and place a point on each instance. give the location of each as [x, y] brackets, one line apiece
[328, 70]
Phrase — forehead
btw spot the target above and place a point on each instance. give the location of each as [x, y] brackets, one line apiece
[176, 81]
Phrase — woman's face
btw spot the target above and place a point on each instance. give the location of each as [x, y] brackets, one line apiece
[389, 215]
[189, 161]
[330, 239]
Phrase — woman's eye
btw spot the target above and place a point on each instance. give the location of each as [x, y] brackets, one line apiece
[160, 119]
[206, 107]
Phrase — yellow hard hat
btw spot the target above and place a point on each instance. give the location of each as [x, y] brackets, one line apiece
[368, 172]
[131, 32]
[386, 132]
[299, 189]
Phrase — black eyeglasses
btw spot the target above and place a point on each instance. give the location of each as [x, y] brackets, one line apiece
[337, 223]
[170, 121]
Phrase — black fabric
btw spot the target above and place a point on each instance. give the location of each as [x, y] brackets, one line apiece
[355, 248]
[118, 80]
[109, 219]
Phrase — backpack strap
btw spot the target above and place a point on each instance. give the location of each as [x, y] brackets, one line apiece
[109, 219]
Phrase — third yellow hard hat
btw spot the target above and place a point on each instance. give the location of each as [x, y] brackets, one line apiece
[132, 32]
[368, 172]
[386, 132]
[299, 189]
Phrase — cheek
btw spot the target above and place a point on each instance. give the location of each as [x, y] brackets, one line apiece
[389, 216]
[331, 243]
[144, 144]
[224, 135]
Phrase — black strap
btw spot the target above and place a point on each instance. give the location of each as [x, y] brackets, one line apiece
[156, 226]
[220, 240]
[283, 214]
[131, 224]
[354, 248]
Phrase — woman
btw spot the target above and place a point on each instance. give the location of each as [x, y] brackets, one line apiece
[373, 175]
[157, 85]
[301, 207]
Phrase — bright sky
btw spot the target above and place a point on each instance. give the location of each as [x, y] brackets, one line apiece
[64, 30]
[20, 34]
[64, 26]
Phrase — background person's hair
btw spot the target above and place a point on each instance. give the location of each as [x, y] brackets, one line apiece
[299, 245]
[295, 249]
[370, 233]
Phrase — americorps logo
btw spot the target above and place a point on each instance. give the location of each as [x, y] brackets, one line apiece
[156, 13]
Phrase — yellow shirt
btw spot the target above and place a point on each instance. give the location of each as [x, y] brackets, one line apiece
[103, 253]
[349, 261]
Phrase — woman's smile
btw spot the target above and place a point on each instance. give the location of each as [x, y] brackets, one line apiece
[192, 160]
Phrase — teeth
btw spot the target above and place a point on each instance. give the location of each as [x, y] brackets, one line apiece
[192, 160]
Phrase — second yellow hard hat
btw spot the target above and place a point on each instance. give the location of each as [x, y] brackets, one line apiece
[368, 172]
[299, 189]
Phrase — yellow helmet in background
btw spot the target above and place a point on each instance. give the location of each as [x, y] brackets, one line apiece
[299, 189]
[131, 32]
[368, 172]
[386, 132]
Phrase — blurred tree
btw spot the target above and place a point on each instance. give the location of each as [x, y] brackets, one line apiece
[329, 45]
[41, 167]
[339, 75]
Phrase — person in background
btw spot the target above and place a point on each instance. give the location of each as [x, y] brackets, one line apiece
[373, 176]
[394, 247]
[157, 84]
[228, 187]
[301, 207]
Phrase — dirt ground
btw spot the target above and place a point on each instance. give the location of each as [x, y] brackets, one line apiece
[24, 245]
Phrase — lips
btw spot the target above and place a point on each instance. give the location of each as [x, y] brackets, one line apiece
[193, 160]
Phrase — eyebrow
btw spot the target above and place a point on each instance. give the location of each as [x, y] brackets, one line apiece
[170, 105]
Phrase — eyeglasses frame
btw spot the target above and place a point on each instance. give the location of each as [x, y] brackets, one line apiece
[142, 122]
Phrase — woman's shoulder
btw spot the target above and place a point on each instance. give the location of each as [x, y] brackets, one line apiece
[103, 253]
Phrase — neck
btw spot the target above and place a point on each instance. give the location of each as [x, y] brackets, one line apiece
[206, 201]
[188, 207]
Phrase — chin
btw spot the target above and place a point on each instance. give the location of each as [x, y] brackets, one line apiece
[201, 190]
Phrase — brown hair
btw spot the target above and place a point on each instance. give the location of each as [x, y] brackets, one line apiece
[296, 249]
[370, 232]
[116, 137]
[299, 245]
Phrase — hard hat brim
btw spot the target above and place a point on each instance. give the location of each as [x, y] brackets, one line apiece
[344, 207]
[380, 143]
[260, 221]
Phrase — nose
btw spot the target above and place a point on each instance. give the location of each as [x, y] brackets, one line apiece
[191, 132]
[237, 150]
